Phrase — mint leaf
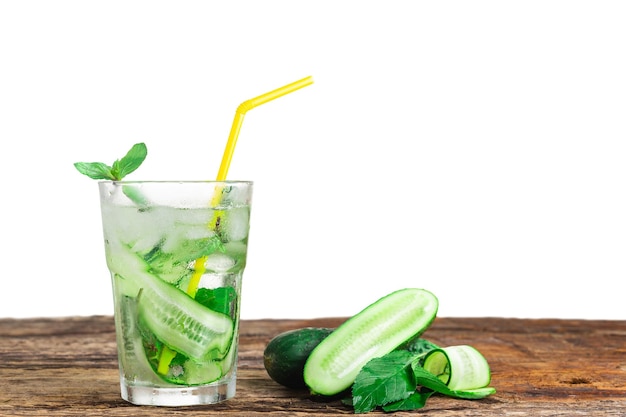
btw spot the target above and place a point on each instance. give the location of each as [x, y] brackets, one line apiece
[383, 380]
[121, 167]
[418, 346]
[95, 170]
[415, 401]
[172, 265]
[130, 162]
[218, 299]
[397, 381]
[206, 246]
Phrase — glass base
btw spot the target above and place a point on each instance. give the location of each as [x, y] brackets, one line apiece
[179, 396]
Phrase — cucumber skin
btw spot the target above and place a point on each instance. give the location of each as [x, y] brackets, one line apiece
[158, 307]
[285, 355]
[157, 294]
[457, 357]
[334, 364]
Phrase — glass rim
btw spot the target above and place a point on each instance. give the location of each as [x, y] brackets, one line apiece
[232, 182]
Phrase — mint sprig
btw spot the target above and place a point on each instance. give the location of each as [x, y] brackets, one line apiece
[382, 381]
[120, 168]
[398, 382]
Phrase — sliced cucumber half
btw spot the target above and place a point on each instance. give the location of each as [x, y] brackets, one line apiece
[378, 329]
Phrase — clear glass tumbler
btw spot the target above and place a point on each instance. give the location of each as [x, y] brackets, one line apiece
[176, 251]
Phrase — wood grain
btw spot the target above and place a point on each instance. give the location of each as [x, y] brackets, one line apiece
[68, 367]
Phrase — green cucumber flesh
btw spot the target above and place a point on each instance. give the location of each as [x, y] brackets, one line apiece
[201, 373]
[135, 364]
[459, 367]
[375, 331]
[183, 324]
[174, 317]
[135, 195]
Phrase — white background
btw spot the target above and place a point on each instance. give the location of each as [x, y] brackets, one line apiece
[473, 148]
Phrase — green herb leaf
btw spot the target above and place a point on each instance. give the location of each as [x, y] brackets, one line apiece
[415, 401]
[219, 299]
[130, 162]
[383, 380]
[206, 246]
[95, 170]
[397, 381]
[418, 346]
[121, 167]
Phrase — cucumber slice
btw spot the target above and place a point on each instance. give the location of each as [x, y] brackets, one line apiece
[183, 324]
[173, 316]
[459, 367]
[201, 373]
[133, 360]
[381, 327]
[135, 195]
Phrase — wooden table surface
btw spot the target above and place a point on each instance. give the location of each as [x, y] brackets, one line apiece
[68, 367]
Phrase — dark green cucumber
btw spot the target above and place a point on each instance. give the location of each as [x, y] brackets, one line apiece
[377, 330]
[285, 355]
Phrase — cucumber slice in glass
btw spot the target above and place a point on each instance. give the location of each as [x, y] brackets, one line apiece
[183, 324]
[174, 317]
[195, 373]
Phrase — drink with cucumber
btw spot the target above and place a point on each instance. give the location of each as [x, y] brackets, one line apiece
[176, 265]
[176, 251]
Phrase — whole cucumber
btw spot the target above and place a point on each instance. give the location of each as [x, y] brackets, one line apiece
[285, 355]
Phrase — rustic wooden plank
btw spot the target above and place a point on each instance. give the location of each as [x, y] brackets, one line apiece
[68, 367]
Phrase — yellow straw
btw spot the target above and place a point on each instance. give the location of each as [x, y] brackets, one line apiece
[166, 354]
[241, 112]
[228, 155]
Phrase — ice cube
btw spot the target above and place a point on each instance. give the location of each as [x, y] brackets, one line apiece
[185, 233]
[193, 216]
[146, 243]
[219, 262]
[235, 248]
[133, 224]
[235, 196]
[235, 224]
